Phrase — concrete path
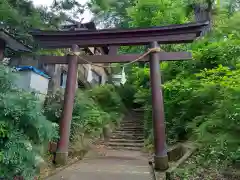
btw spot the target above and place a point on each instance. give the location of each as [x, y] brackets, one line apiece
[115, 165]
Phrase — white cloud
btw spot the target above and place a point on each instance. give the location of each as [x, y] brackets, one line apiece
[86, 15]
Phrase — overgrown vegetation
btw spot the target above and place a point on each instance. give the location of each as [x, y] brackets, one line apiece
[108, 100]
[24, 130]
[201, 97]
[93, 109]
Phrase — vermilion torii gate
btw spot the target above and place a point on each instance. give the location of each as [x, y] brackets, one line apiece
[172, 34]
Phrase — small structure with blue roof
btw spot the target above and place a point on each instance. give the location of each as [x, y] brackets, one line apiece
[31, 79]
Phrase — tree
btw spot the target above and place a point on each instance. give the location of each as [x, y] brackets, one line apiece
[111, 13]
[20, 16]
[161, 12]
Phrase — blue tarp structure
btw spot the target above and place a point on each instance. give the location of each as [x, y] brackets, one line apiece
[31, 68]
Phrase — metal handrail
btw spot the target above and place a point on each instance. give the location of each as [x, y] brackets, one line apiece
[152, 170]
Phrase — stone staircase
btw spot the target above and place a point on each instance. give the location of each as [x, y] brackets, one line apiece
[130, 134]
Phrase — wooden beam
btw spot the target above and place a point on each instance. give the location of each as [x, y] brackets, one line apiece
[124, 41]
[163, 56]
[182, 33]
[113, 50]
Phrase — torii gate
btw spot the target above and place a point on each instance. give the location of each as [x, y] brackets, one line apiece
[184, 33]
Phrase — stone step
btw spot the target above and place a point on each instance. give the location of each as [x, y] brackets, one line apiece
[126, 136]
[130, 128]
[132, 125]
[120, 136]
[127, 140]
[123, 144]
[130, 132]
[125, 148]
[138, 111]
[132, 122]
[135, 119]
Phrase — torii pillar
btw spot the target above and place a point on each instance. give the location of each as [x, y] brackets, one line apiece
[161, 157]
[66, 117]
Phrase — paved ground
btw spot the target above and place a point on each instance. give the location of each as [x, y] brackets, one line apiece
[115, 165]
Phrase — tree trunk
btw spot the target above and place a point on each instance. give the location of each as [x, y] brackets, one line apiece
[2, 48]
[203, 13]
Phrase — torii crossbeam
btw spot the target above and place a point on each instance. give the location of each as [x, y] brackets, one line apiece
[184, 33]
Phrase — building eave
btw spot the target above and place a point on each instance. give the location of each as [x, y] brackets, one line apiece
[12, 43]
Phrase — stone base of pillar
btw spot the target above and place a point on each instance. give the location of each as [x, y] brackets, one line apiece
[61, 158]
[161, 163]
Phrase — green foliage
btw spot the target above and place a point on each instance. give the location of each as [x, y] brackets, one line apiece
[93, 109]
[111, 13]
[160, 11]
[88, 117]
[18, 16]
[21, 16]
[200, 96]
[24, 129]
[108, 100]
[126, 92]
[53, 106]
[192, 98]
[228, 26]
[219, 129]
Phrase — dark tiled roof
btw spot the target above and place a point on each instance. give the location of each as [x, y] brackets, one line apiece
[12, 43]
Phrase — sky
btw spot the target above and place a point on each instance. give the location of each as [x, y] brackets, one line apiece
[86, 15]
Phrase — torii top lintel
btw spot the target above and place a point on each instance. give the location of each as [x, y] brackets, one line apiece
[183, 33]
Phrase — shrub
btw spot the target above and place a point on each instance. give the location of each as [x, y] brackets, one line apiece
[204, 107]
[88, 117]
[53, 106]
[200, 101]
[126, 92]
[93, 109]
[219, 130]
[108, 100]
[24, 129]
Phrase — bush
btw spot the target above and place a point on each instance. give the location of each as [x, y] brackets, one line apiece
[219, 130]
[200, 98]
[108, 100]
[93, 109]
[204, 107]
[126, 92]
[24, 129]
[88, 117]
[53, 106]
[225, 52]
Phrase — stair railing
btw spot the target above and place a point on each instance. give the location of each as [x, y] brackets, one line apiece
[152, 170]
